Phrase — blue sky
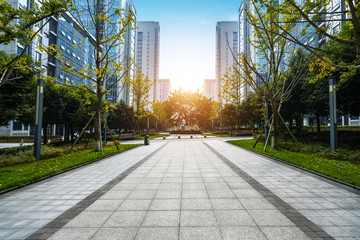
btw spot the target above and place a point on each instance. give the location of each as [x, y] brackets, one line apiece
[187, 36]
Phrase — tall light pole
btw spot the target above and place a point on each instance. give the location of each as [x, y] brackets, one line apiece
[333, 118]
[39, 115]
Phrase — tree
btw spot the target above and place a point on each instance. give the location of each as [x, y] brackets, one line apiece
[231, 85]
[268, 77]
[230, 116]
[122, 117]
[23, 25]
[140, 86]
[318, 15]
[106, 25]
[17, 97]
[159, 112]
[186, 108]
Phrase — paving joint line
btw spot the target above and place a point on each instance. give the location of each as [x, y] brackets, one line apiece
[291, 213]
[60, 221]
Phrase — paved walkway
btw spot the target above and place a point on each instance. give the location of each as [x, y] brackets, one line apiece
[182, 189]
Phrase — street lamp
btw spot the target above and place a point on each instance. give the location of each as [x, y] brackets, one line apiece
[333, 118]
[38, 114]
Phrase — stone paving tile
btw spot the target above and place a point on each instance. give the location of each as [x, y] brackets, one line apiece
[326, 204]
[115, 233]
[200, 233]
[234, 218]
[162, 219]
[42, 202]
[74, 233]
[125, 219]
[231, 233]
[166, 233]
[135, 204]
[200, 218]
[196, 204]
[280, 233]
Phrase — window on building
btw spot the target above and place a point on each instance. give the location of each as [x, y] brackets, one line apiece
[235, 36]
[140, 36]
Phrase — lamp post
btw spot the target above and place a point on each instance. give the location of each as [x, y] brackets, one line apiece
[38, 116]
[333, 118]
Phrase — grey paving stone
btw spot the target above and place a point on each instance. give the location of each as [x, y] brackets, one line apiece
[142, 194]
[196, 204]
[162, 219]
[135, 204]
[165, 194]
[284, 233]
[74, 233]
[200, 233]
[226, 204]
[6, 232]
[150, 233]
[115, 234]
[197, 218]
[172, 186]
[270, 218]
[165, 204]
[192, 186]
[198, 193]
[220, 194]
[234, 218]
[125, 219]
[20, 233]
[115, 195]
[247, 193]
[104, 205]
[89, 219]
[233, 233]
[256, 203]
[336, 231]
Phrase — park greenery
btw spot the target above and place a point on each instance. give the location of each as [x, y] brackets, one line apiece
[288, 84]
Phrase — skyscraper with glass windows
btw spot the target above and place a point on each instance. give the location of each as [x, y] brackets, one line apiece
[226, 46]
[148, 53]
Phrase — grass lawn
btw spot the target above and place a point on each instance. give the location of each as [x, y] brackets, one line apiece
[153, 136]
[23, 173]
[346, 171]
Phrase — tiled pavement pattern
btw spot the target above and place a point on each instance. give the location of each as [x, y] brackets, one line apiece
[24, 211]
[182, 192]
[335, 209]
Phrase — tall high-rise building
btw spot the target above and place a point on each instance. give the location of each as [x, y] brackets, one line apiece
[147, 53]
[208, 89]
[164, 89]
[226, 42]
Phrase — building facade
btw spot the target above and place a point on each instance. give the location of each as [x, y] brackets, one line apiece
[148, 53]
[226, 46]
[164, 89]
[208, 89]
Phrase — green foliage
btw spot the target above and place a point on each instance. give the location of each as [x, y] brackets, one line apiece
[121, 117]
[23, 25]
[17, 97]
[186, 108]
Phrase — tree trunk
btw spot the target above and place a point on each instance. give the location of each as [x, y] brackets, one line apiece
[97, 124]
[318, 122]
[71, 128]
[276, 125]
[298, 123]
[45, 135]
